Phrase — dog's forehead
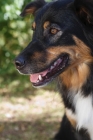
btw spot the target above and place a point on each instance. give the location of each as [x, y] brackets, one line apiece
[51, 10]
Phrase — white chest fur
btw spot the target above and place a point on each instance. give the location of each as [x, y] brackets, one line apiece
[84, 112]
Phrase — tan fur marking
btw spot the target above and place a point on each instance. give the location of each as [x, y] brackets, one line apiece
[46, 24]
[71, 119]
[34, 25]
[75, 77]
[37, 55]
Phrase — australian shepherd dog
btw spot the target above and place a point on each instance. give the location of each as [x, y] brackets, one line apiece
[62, 48]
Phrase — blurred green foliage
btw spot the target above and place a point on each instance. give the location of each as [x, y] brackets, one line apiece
[15, 33]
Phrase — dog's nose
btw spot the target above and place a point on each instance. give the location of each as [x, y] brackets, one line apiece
[19, 62]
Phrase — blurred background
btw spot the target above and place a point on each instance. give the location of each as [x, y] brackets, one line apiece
[26, 113]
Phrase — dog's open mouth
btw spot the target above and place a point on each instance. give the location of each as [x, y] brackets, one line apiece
[42, 78]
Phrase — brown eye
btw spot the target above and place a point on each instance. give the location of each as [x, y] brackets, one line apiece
[53, 31]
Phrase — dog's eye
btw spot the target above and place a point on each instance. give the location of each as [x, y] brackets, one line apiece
[53, 31]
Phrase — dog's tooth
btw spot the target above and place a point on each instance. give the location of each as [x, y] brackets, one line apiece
[40, 77]
[37, 81]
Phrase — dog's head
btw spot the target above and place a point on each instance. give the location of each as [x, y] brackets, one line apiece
[61, 40]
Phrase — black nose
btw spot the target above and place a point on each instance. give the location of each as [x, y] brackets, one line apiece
[19, 62]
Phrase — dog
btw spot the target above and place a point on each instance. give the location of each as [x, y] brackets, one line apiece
[62, 48]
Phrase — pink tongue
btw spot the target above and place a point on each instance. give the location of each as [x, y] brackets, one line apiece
[34, 77]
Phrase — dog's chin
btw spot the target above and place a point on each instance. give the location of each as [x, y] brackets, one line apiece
[44, 77]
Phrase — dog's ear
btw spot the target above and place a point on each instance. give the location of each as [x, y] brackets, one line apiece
[84, 10]
[32, 7]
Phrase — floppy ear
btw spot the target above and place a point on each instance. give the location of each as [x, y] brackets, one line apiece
[84, 9]
[32, 7]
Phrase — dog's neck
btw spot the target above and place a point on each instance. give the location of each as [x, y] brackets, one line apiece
[77, 94]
